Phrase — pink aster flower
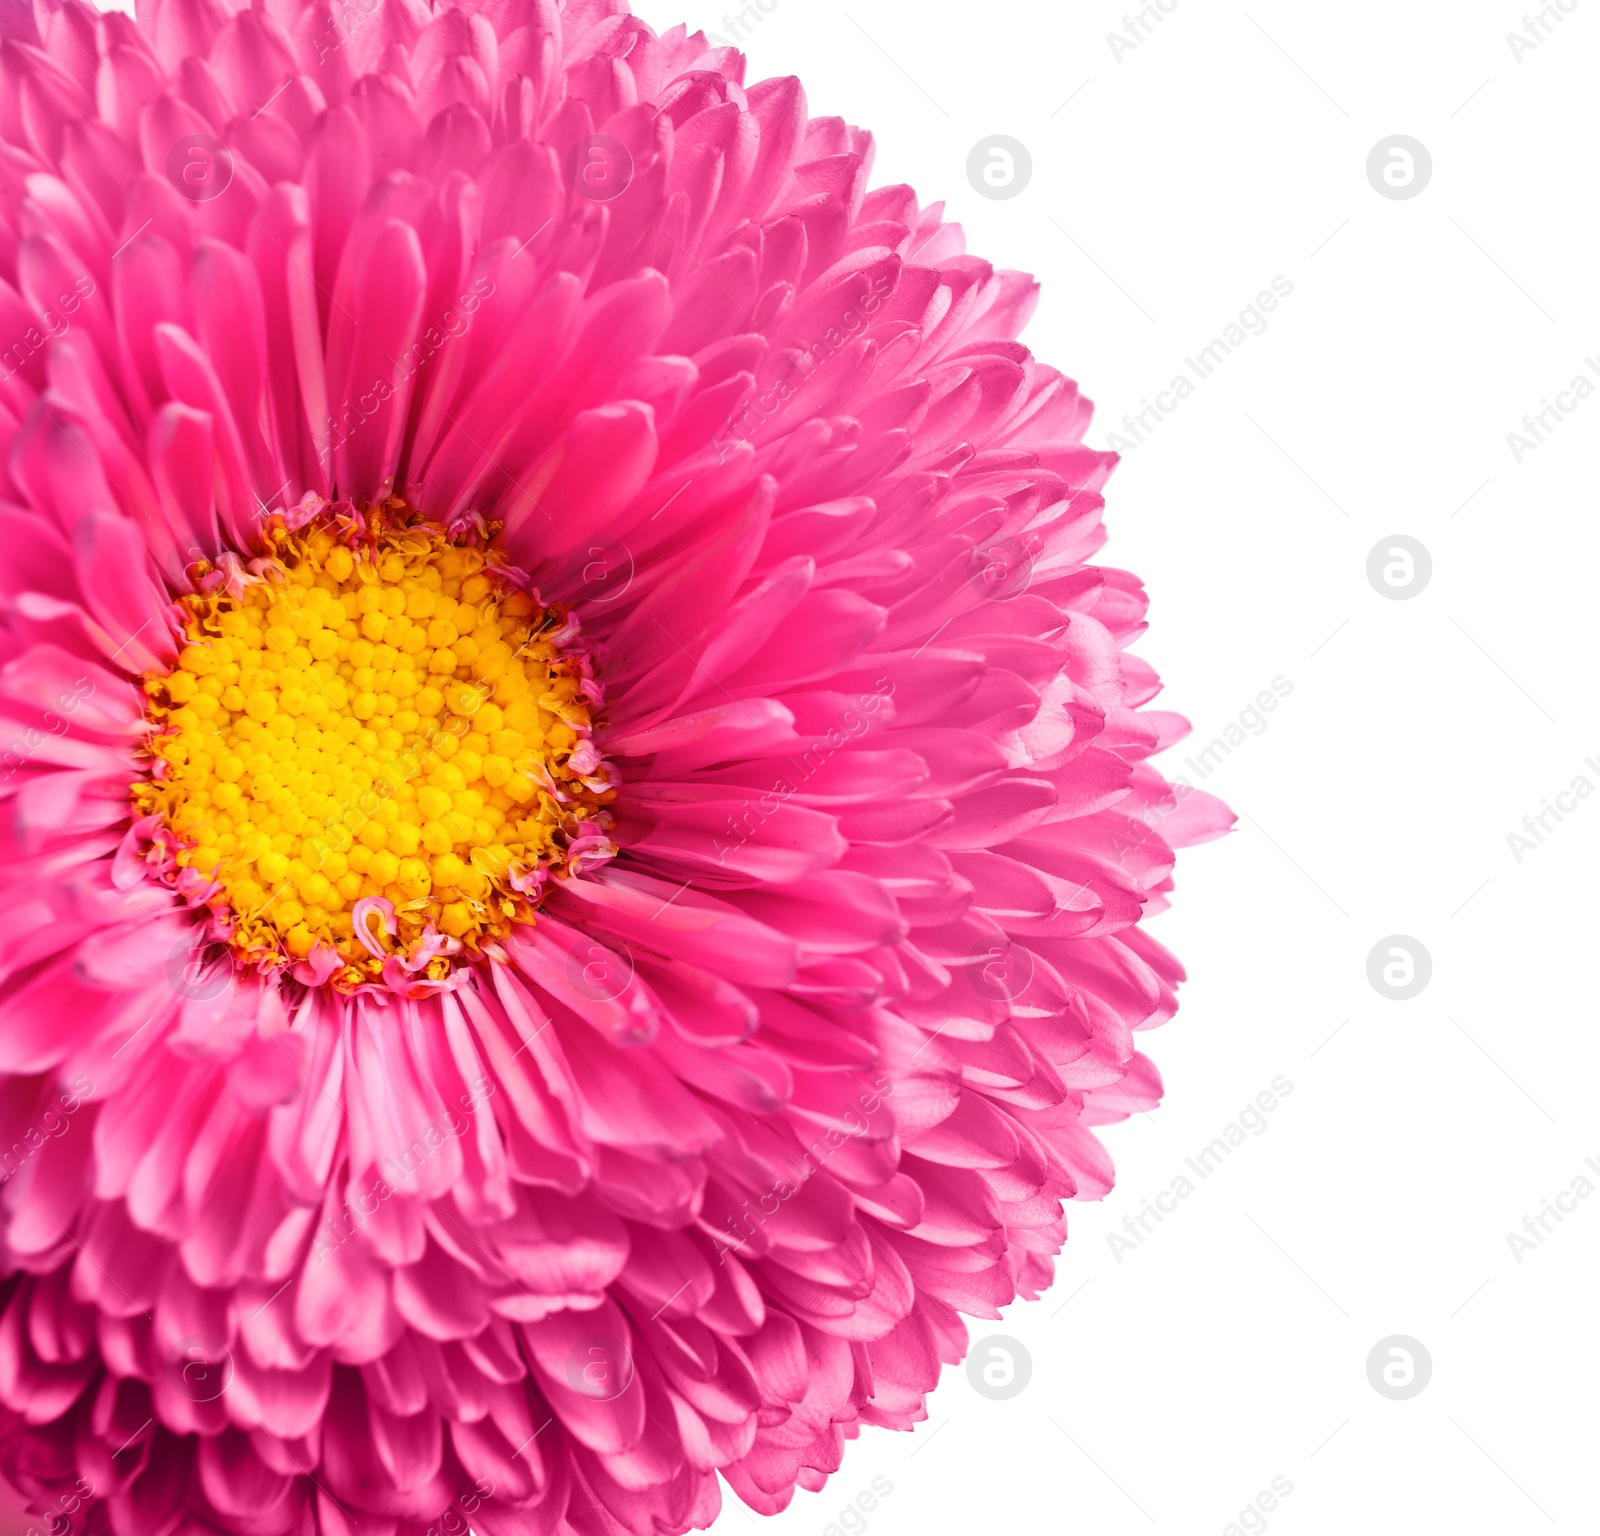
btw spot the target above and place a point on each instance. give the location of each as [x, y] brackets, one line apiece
[577, 817]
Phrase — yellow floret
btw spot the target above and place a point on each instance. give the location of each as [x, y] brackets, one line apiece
[272, 867]
[384, 867]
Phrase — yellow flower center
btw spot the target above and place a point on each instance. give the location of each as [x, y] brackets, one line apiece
[376, 712]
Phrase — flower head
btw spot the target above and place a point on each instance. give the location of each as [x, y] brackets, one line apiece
[576, 815]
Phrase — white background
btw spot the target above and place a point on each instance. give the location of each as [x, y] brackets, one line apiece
[1225, 149]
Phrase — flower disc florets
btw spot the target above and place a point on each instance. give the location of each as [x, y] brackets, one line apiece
[375, 747]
